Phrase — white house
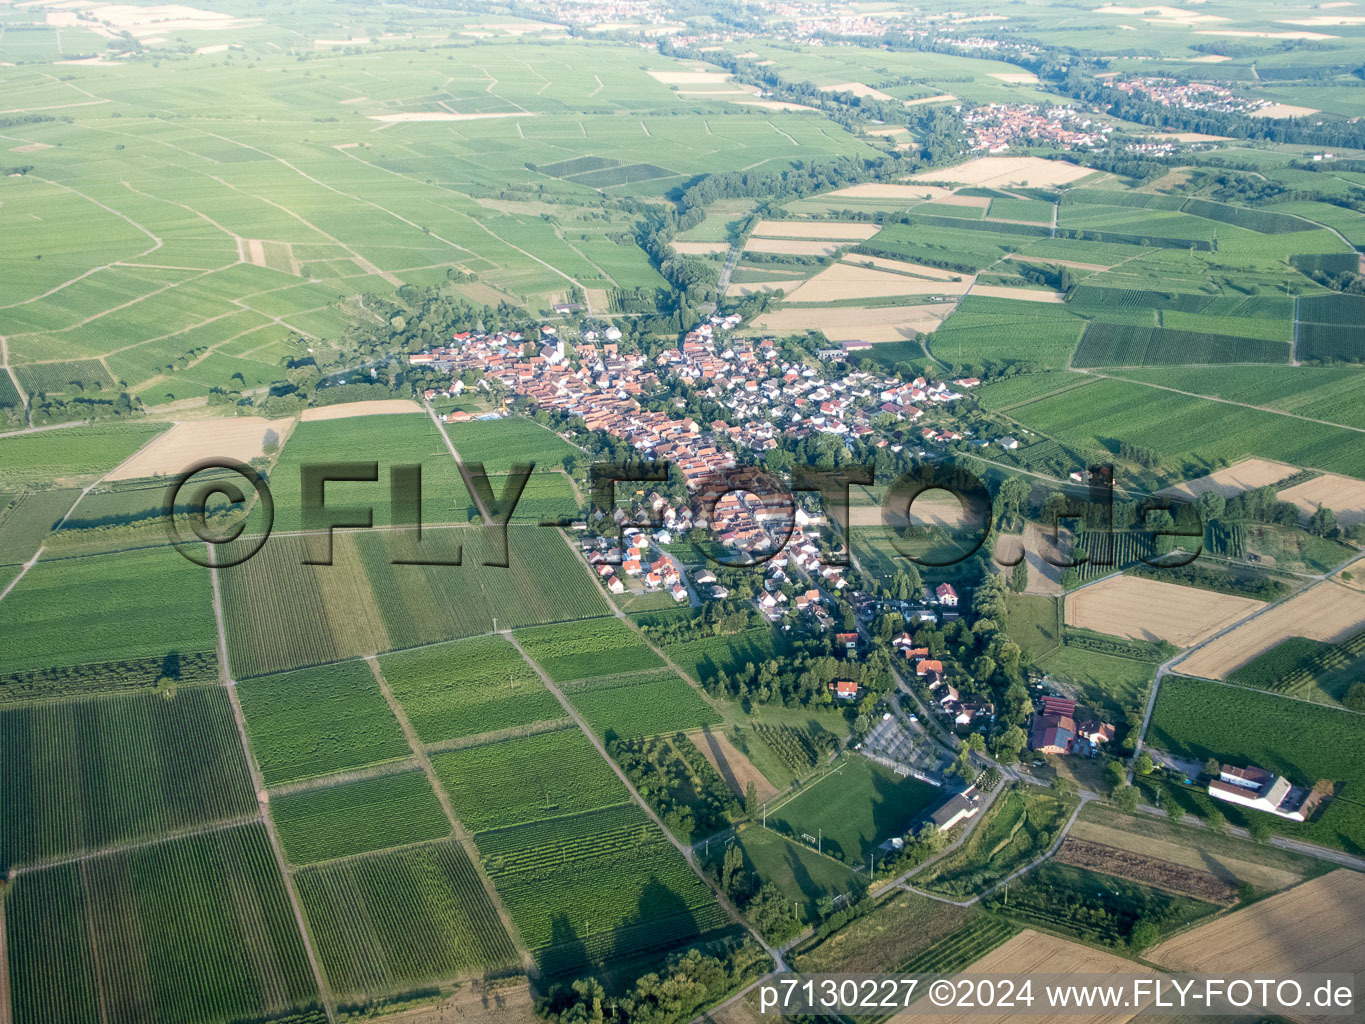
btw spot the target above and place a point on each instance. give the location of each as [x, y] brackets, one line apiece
[1259, 790]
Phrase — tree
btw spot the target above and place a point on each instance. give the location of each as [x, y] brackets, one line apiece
[1211, 504]
[1126, 799]
[751, 798]
[1323, 522]
[1019, 577]
[732, 872]
[1143, 765]
[1114, 776]
[1258, 828]
[1173, 809]
[1144, 934]
[1214, 821]
[1009, 744]
[1213, 767]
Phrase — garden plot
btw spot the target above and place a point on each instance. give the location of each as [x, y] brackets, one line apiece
[242, 438]
[1314, 927]
[1145, 609]
[1007, 170]
[1327, 611]
[1247, 475]
[1343, 495]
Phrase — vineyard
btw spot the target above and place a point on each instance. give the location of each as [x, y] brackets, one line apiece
[1025, 387]
[106, 608]
[27, 518]
[390, 923]
[679, 783]
[1118, 647]
[78, 451]
[467, 687]
[514, 781]
[642, 705]
[801, 750]
[597, 887]
[1332, 341]
[1018, 827]
[190, 931]
[318, 721]
[981, 934]
[1307, 743]
[358, 817]
[598, 647]
[703, 657]
[498, 444]
[81, 775]
[1309, 669]
[1110, 552]
[1109, 344]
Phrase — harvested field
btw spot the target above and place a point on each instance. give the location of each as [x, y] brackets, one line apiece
[346, 410]
[1032, 952]
[1016, 77]
[857, 323]
[1327, 611]
[1163, 874]
[689, 77]
[1265, 35]
[418, 116]
[1146, 609]
[736, 769]
[943, 97]
[699, 248]
[242, 438]
[883, 190]
[1314, 927]
[849, 281]
[1231, 870]
[1246, 475]
[814, 229]
[889, 132]
[858, 89]
[1342, 494]
[1007, 170]
[793, 247]
[974, 202]
[933, 507]
[1283, 110]
[1020, 294]
[772, 104]
[1073, 264]
[903, 267]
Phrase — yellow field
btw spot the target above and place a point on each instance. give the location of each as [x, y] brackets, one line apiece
[689, 77]
[346, 410]
[1016, 77]
[858, 89]
[736, 769]
[699, 248]
[1032, 952]
[1246, 475]
[772, 104]
[849, 281]
[242, 438]
[1007, 170]
[814, 229]
[975, 202]
[1343, 495]
[760, 287]
[857, 323]
[1021, 294]
[883, 190]
[943, 97]
[1144, 609]
[918, 269]
[1326, 611]
[1283, 110]
[793, 246]
[1316, 927]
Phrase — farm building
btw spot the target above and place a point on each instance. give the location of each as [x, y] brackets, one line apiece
[1259, 790]
[1054, 726]
[956, 808]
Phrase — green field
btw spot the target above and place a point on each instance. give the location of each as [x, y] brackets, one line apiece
[197, 929]
[641, 705]
[400, 922]
[600, 647]
[557, 773]
[854, 809]
[1309, 669]
[314, 722]
[1307, 743]
[499, 444]
[467, 687]
[801, 873]
[81, 775]
[71, 453]
[358, 817]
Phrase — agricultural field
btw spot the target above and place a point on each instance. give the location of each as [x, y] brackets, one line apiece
[854, 809]
[904, 926]
[500, 444]
[597, 648]
[78, 776]
[395, 923]
[27, 518]
[313, 722]
[150, 609]
[467, 687]
[591, 888]
[1019, 827]
[679, 783]
[1149, 609]
[76, 453]
[558, 773]
[191, 929]
[357, 817]
[1307, 743]
[1307, 669]
[641, 705]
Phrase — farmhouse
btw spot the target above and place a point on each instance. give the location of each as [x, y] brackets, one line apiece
[946, 595]
[1259, 790]
[956, 808]
[1054, 726]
